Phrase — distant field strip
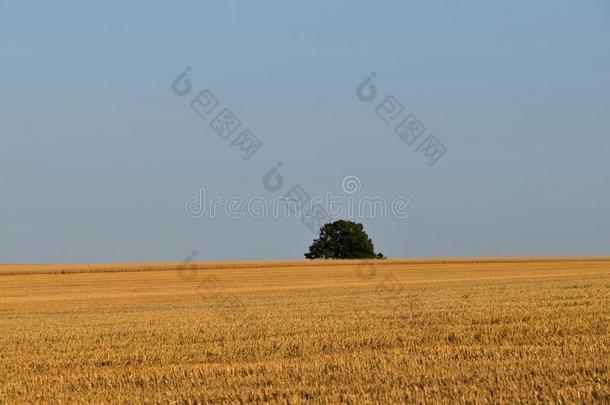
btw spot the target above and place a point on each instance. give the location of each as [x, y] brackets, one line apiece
[413, 331]
[15, 269]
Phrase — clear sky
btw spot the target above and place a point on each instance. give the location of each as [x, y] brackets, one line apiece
[98, 155]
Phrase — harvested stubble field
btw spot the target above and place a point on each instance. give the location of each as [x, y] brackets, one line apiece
[383, 331]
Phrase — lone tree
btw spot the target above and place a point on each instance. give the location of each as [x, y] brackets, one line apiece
[342, 240]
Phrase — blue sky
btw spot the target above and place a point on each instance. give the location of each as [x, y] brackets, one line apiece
[98, 156]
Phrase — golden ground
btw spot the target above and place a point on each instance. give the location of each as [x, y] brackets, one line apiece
[381, 331]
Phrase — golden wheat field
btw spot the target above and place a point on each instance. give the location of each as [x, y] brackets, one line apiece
[391, 331]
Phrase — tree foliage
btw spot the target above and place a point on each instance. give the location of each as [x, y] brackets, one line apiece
[342, 240]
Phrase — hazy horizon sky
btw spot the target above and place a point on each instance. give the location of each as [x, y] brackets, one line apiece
[98, 155]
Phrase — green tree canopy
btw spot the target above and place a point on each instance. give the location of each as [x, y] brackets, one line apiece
[342, 240]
